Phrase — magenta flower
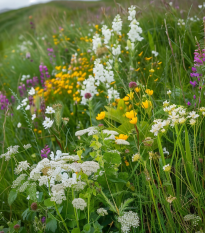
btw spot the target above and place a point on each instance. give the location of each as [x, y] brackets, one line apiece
[188, 103]
[45, 151]
[88, 95]
[132, 84]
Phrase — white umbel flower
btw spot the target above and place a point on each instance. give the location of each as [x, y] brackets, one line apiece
[26, 147]
[79, 203]
[102, 212]
[47, 123]
[121, 142]
[128, 220]
[90, 167]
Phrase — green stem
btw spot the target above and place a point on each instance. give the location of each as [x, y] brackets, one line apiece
[88, 209]
[61, 218]
[75, 211]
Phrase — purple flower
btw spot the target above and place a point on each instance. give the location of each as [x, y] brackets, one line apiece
[88, 95]
[45, 151]
[132, 84]
[188, 103]
[194, 69]
[43, 219]
[193, 83]
[194, 97]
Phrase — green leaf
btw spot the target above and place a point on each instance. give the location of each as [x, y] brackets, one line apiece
[75, 230]
[51, 224]
[12, 196]
[87, 227]
[48, 202]
[25, 213]
[151, 42]
[113, 158]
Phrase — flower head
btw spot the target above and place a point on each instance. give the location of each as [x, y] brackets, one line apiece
[132, 84]
[130, 114]
[134, 121]
[100, 116]
[88, 95]
[167, 168]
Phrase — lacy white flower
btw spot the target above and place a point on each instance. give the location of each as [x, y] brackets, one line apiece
[111, 137]
[79, 203]
[57, 193]
[169, 92]
[113, 94]
[128, 220]
[12, 150]
[181, 22]
[102, 212]
[26, 147]
[79, 186]
[23, 186]
[22, 166]
[193, 115]
[192, 122]
[91, 130]
[170, 199]
[117, 24]
[50, 110]
[19, 125]
[121, 142]
[18, 180]
[105, 131]
[32, 91]
[116, 50]
[89, 167]
[47, 123]
[33, 117]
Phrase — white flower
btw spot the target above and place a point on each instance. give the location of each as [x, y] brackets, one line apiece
[111, 137]
[22, 166]
[170, 3]
[116, 50]
[26, 147]
[113, 94]
[106, 33]
[18, 180]
[181, 22]
[19, 125]
[32, 91]
[135, 31]
[199, 6]
[50, 110]
[121, 142]
[128, 220]
[48, 123]
[102, 212]
[96, 42]
[58, 194]
[155, 53]
[105, 131]
[33, 117]
[79, 203]
[132, 13]
[169, 92]
[192, 122]
[193, 115]
[28, 107]
[117, 24]
[165, 151]
[18, 107]
[89, 167]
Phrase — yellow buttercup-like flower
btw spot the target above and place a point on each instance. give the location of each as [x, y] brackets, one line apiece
[151, 71]
[131, 95]
[146, 104]
[134, 121]
[126, 98]
[137, 89]
[100, 116]
[130, 114]
[122, 136]
[149, 92]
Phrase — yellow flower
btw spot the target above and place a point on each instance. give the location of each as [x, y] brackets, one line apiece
[151, 71]
[167, 168]
[71, 113]
[146, 104]
[134, 121]
[137, 89]
[126, 98]
[149, 92]
[130, 114]
[131, 95]
[35, 130]
[39, 131]
[140, 54]
[156, 80]
[100, 116]
[127, 163]
[122, 136]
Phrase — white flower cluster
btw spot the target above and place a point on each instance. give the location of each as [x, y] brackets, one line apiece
[90, 87]
[102, 75]
[201, 6]
[61, 175]
[181, 22]
[135, 31]
[24, 103]
[194, 19]
[113, 94]
[22, 166]
[26, 147]
[24, 77]
[106, 33]
[116, 50]
[128, 220]
[49, 110]
[96, 42]
[193, 218]
[177, 115]
[102, 212]
[112, 134]
[79, 203]
[47, 123]
[23, 186]
[32, 91]
[91, 131]
[18, 180]
[89, 167]
[117, 24]
[121, 142]
[12, 150]
[132, 13]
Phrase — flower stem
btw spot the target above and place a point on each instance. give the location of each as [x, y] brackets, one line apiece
[61, 218]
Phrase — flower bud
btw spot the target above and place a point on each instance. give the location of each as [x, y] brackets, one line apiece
[34, 206]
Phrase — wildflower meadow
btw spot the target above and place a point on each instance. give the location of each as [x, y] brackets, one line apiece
[102, 108]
